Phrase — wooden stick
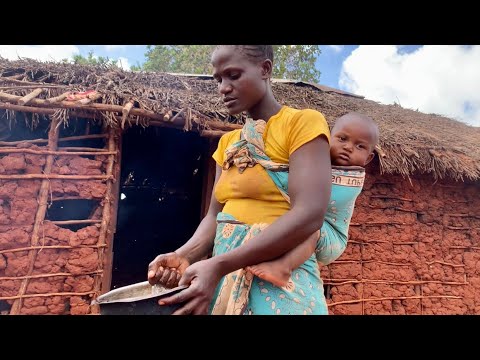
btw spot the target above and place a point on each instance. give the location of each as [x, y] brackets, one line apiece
[56, 198]
[390, 197]
[40, 215]
[39, 276]
[370, 261]
[75, 222]
[177, 115]
[75, 148]
[46, 111]
[15, 87]
[94, 106]
[105, 215]
[212, 133]
[444, 263]
[40, 247]
[374, 223]
[89, 99]
[29, 97]
[15, 80]
[48, 152]
[460, 227]
[58, 98]
[395, 298]
[126, 111]
[209, 123]
[53, 176]
[112, 227]
[220, 125]
[367, 281]
[19, 298]
[379, 151]
[407, 210]
[465, 247]
[158, 119]
[39, 141]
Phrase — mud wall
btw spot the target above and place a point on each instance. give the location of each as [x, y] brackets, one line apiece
[65, 267]
[414, 248]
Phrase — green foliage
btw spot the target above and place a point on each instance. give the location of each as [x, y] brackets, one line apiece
[296, 62]
[194, 59]
[90, 59]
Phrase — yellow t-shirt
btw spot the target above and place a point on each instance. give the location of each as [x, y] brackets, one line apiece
[252, 197]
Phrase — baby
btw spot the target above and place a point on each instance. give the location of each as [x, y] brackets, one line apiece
[353, 140]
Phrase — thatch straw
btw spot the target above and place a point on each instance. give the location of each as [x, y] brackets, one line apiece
[412, 142]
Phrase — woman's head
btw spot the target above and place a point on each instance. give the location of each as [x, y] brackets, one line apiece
[243, 74]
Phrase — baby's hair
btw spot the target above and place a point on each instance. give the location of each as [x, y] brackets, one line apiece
[366, 119]
[255, 52]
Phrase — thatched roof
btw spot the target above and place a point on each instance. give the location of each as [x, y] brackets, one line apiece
[412, 142]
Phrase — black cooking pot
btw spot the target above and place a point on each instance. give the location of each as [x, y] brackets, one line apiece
[137, 299]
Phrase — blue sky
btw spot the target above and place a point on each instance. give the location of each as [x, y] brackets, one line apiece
[440, 79]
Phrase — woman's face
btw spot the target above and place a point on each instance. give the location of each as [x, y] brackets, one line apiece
[241, 81]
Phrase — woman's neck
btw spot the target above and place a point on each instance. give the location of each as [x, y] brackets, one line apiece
[266, 108]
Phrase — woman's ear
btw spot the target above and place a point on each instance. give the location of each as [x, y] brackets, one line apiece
[267, 68]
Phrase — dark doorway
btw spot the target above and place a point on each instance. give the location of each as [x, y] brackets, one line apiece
[160, 198]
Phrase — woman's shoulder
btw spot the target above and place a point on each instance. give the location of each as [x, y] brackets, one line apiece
[293, 118]
[309, 114]
[229, 138]
[231, 135]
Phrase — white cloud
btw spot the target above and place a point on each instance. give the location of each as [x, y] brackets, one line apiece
[440, 79]
[123, 63]
[336, 48]
[39, 52]
[114, 47]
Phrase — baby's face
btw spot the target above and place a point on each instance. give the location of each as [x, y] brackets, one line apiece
[352, 143]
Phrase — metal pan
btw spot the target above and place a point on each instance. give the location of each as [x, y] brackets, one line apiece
[137, 299]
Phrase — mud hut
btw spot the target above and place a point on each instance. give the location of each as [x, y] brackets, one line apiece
[101, 169]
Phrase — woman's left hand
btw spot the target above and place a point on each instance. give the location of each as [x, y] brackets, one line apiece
[203, 277]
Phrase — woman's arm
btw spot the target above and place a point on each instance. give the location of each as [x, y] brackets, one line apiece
[167, 268]
[309, 187]
[201, 242]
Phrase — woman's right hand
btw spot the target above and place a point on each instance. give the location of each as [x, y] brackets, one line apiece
[167, 269]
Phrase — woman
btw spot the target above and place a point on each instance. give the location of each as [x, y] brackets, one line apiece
[252, 198]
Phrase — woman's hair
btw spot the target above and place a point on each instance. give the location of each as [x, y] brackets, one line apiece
[255, 52]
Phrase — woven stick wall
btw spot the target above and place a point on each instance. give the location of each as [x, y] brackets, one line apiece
[89, 249]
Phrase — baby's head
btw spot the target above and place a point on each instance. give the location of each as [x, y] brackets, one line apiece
[354, 137]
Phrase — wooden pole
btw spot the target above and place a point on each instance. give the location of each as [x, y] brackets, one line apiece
[53, 176]
[112, 228]
[40, 247]
[40, 276]
[75, 222]
[29, 97]
[126, 111]
[212, 133]
[106, 216]
[40, 215]
[214, 124]
[56, 153]
[40, 141]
